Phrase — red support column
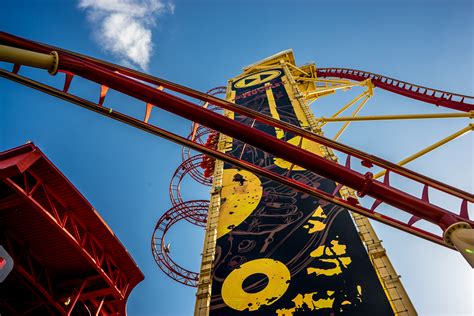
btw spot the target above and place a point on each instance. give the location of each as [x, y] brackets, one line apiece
[97, 313]
[71, 308]
[32, 272]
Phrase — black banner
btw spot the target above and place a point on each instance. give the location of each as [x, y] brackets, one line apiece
[279, 251]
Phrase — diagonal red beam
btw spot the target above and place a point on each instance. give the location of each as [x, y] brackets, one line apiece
[26, 44]
[96, 252]
[261, 140]
[76, 298]
[17, 164]
[364, 183]
[70, 237]
[96, 294]
[99, 307]
[230, 159]
[28, 272]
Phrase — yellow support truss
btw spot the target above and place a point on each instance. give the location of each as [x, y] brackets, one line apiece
[325, 120]
[430, 148]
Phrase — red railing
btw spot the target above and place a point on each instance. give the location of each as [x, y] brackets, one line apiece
[434, 96]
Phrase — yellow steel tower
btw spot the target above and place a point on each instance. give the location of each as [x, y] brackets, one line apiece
[270, 250]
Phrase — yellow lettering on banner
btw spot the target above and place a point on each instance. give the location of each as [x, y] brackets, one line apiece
[237, 298]
[241, 193]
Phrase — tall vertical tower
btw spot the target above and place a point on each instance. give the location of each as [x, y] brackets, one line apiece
[272, 250]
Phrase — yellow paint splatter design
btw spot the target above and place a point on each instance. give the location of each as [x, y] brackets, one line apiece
[332, 254]
[307, 301]
[278, 281]
[241, 198]
[316, 223]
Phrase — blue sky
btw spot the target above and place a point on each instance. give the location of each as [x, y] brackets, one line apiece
[125, 173]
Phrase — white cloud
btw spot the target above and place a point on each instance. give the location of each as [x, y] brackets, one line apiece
[124, 27]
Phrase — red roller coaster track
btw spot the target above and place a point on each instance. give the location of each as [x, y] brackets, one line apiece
[198, 135]
[195, 211]
[440, 98]
[161, 252]
[190, 166]
[139, 86]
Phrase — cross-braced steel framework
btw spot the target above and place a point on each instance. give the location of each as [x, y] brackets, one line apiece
[51, 232]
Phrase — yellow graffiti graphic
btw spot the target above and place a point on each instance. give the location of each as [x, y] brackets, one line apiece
[273, 111]
[316, 221]
[332, 254]
[256, 79]
[242, 191]
[278, 281]
[307, 301]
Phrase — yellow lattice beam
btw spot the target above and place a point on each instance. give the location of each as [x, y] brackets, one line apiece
[397, 117]
[426, 150]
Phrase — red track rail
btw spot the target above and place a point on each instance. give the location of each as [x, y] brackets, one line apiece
[161, 253]
[199, 136]
[367, 158]
[371, 213]
[438, 97]
[187, 167]
[132, 83]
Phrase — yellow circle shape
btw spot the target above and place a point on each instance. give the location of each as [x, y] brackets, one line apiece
[235, 296]
[257, 79]
[239, 198]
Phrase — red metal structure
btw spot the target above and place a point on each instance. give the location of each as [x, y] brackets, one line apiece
[67, 261]
[191, 166]
[440, 98]
[143, 87]
[194, 210]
